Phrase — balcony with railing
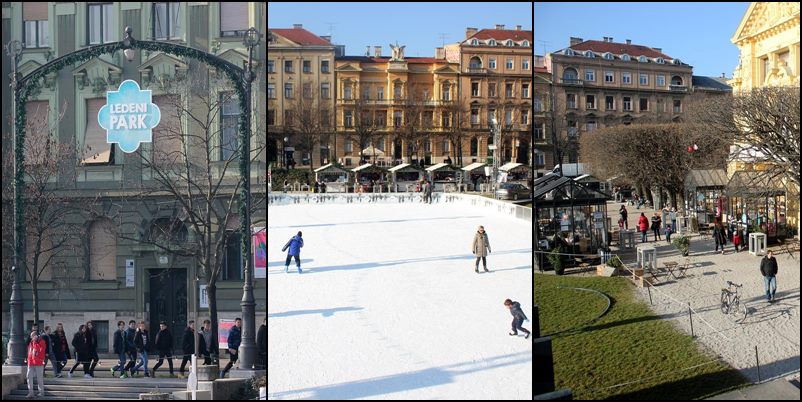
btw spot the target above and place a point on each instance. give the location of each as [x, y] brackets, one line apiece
[572, 81]
[677, 88]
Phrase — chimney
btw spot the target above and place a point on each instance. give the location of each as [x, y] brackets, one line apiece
[439, 53]
[367, 51]
[327, 38]
[658, 49]
[517, 27]
[297, 26]
[629, 41]
[723, 75]
[377, 51]
[610, 39]
[500, 27]
[470, 32]
[574, 40]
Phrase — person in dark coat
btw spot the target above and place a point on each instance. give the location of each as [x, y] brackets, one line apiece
[164, 345]
[622, 213]
[80, 341]
[720, 236]
[518, 318]
[93, 357]
[119, 347]
[188, 345]
[261, 341]
[656, 222]
[142, 342]
[61, 347]
[130, 348]
[768, 267]
[234, 340]
[293, 248]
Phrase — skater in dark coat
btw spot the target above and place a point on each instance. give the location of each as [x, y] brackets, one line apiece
[293, 248]
[518, 318]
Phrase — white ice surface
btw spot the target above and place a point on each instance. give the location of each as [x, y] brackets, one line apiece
[389, 306]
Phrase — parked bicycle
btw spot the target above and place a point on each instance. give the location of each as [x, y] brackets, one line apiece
[731, 301]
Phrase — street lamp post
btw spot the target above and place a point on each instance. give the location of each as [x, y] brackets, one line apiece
[16, 345]
[248, 351]
[495, 127]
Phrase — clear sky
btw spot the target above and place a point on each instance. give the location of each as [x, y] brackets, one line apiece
[696, 33]
[417, 25]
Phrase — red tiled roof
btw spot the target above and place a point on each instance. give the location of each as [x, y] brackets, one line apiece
[301, 36]
[619, 48]
[503, 34]
[411, 60]
[541, 69]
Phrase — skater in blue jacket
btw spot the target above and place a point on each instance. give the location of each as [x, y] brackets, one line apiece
[518, 318]
[294, 246]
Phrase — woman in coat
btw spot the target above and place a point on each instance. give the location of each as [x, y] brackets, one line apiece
[80, 341]
[643, 226]
[720, 236]
[481, 248]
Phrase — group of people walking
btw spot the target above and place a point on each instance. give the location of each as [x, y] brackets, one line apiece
[131, 345]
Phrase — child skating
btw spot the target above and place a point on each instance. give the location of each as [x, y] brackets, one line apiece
[294, 246]
[518, 318]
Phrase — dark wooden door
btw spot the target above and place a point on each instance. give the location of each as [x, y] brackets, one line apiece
[168, 302]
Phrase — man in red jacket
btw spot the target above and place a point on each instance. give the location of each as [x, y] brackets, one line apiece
[37, 352]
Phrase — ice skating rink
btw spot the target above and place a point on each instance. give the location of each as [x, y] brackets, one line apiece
[389, 307]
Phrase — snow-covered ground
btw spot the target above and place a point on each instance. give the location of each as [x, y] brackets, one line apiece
[389, 306]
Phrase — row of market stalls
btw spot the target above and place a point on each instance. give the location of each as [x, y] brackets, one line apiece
[407, 177]
[747, 201]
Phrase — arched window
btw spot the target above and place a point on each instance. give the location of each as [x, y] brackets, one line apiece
[102, 251]
[510, 43]
[625, 57]
[492, 42]
[569, 52]
[476, 62]
[676, 61]
[676, 80]
[569, 74]
[660, 60]
[643, 59]
[608, 56]
[525, 43]
[475, 42]
[589, 53]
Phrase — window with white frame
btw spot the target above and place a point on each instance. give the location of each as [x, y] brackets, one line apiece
[626, 78]
[166, 22]
[34, 16]
[229, 138]
[590, 75]
[609, 76]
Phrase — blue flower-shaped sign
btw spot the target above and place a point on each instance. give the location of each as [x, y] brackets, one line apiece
[129, 116]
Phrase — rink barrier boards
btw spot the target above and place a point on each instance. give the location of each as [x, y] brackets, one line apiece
[504, 208]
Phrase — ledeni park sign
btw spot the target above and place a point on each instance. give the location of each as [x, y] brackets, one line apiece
[129, 116]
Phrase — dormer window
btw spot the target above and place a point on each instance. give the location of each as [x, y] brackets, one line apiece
[660, 61]
[492, 42]
[589, 54]
[525, 43]
[643, 59]
[510, 43]
[625, 57]
[608, 56]
[569, 52]
[475, 42]
[676, 61]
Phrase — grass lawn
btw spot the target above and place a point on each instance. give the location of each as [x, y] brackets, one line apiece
[627, 344]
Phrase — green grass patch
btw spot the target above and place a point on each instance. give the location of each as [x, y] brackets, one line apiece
[627, 344]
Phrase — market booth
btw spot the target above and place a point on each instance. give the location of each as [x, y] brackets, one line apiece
[474, 174]
[705, 194]
[570, 217]
[369, 178]
[335, 177]
[443, 174]
[516, 172]
[758, 205]
[405, 177]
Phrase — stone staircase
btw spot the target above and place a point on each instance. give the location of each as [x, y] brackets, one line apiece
[79, 388]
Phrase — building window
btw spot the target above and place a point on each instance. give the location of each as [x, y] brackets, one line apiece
[96, 151]
[524, 117]
[510, 64]
[590, 126]
[525, 90]
[474, 146]
[307, 66]
[590, 75]
[99, 23]
[609, 102]
[609, 76]
[288, 66]
[307, 88]
[590, 102]
[397, 119]
[572, 131]
[538, 104]
[509, 93]
[232, 263]
[324, 90]
[644, 79]
[525, 64]
[589, 53]
[474, 89]
[348, 119]
[166, 24]
[380, 93]
[570, 101]
[476, 63]
[34, 14]
[625, 57]
[324, 66]
[271, 66]
[347, 95]
[626, 78]
[540, 131]
[288, 91]
[271, 117]
[677, 106]
[229, 138]
[661, 80]
[608, 56]
[644, 104]
[102, 251]
[474, 117]
[234, 20]
[271, 91]
[349, 147]
[474, 42]
[540, 159]
[491, 89]
[492, 64]
[627, 103]
[642, 59]
[446, 120]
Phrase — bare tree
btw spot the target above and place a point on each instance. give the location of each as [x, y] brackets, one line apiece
[309, 119]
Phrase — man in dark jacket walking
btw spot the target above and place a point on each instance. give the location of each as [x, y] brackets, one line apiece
[518, 318]
[768, 267]
[119, 347]
[234, 340]
[188, 346]
[164, 345]
[261, 341]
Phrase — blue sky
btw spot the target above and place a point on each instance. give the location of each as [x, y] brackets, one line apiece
[696, 33]
[417, 25]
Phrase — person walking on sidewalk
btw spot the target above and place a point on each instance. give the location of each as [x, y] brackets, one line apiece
[768, 267]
